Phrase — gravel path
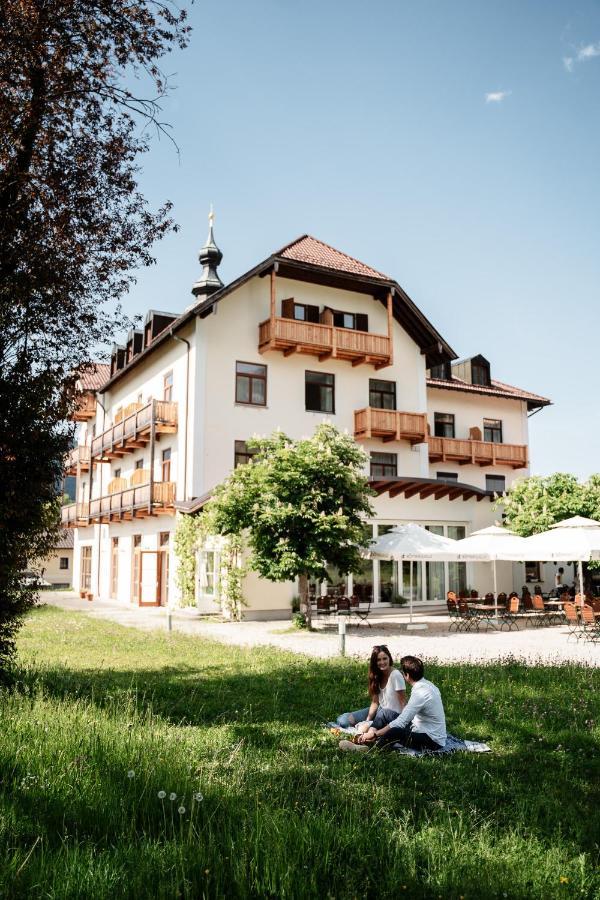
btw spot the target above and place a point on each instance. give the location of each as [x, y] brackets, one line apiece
[531, 645]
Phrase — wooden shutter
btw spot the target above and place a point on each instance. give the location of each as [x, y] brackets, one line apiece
[287, 308]
[362, 322]
[312, 313]
[326, 316]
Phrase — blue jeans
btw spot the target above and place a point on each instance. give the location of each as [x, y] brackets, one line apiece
[383, 716]
[416, 740]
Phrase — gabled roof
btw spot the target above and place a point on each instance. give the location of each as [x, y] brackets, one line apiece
[94, 376]
[65, 540]
[496, 389]
[309, 250]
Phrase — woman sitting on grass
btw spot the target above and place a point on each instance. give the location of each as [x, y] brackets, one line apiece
[386, 689]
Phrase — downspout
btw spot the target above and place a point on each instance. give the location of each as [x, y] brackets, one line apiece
[99, 496]
[187, 394]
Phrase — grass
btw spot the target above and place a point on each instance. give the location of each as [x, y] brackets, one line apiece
[281, 813]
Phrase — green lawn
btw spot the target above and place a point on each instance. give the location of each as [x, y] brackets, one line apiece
[107, 717]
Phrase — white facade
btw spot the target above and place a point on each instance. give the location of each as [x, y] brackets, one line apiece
[199, 353]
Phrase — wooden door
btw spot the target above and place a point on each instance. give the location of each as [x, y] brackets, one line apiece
[163, 578]
[149, 583]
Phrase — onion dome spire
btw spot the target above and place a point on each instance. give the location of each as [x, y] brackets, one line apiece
[210, 257]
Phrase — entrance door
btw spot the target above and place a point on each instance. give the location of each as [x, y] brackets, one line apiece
[114, 567]
[149, 585]
[85, 569]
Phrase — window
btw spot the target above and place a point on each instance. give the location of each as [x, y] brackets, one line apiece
[492, 430]
[443, 425]
[85, 569]
[382, 394]
[140, 398]
[446, 476]
[136, 542]
[168, 387]
[533, 572]
[242, 454]
[208, 573]
[117, 473]
[64, 562]
[441, 372]
[355, 321]
[166, 464]
[139, 463]
[164, 538]
[480, 374]
[384, 465]
[319, 392]
[302, 312]
[495, 483]
[114, 567]
[250, 383]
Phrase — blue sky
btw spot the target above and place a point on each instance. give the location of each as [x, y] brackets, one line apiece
[371, 127]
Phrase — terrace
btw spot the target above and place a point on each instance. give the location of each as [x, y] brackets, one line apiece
[389, 425]
[479, 453]
[135, 427]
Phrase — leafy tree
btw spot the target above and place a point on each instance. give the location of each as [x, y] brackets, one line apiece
[302, 503]
[73, 227]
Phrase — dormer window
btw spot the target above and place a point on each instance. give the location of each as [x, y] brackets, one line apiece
[480, 374]
[441, 372]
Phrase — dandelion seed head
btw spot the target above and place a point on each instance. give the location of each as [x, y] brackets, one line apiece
[198, 797]
[173, 796]
[131, 774]
[181, 810]
[162, 795]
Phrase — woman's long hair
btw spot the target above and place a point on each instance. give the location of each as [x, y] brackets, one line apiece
[375, 674]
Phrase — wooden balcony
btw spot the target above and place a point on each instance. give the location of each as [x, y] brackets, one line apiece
[136, 502]
[75, 515]
[478, 453]
[85, 407]
[325, 342]
[137, 425]
[389, 425]
[78, 460]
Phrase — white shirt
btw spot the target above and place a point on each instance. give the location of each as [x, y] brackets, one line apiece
[425, 711]
[388, 697]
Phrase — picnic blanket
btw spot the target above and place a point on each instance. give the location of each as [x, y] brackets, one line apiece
[452, 744]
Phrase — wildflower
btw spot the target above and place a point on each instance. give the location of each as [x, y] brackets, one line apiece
[131, 774]
[206, 871]
[172, 796]
[564, 880]
[198, 797]
[162, 795]
[181, 810]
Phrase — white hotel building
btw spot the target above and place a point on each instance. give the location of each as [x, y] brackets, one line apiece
[306, 335]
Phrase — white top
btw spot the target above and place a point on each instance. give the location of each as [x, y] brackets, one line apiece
[425, 711]
[388, 696]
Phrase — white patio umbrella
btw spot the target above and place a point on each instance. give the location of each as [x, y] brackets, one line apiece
[411, 543]
[490, 545]
[577, 539]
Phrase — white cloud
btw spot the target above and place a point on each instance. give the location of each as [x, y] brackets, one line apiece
[585, 52]
[496, 96]
[588, 52]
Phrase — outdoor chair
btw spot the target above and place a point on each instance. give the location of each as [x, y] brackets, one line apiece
[510, 615]
[468, 619]
[590, 627]
[502, 599]
[572, 619]
[474, 595]
[578, 600]
[324, 606]
[343, 606]
[453, 614]
[540, 609]
[361, 609]
[489, 597]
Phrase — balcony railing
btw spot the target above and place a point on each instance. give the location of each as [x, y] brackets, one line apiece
[389, 425]
[85, 407]
[135, 429]
[78, 458]
[138, 501]
[74, 515]
[479, 453]
[325, 341]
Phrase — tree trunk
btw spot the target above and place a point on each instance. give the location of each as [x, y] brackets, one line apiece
[304, 601]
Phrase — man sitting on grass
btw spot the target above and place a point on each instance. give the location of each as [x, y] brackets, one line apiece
[421, 725]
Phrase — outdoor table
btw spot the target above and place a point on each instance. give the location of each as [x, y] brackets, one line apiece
[485, 611]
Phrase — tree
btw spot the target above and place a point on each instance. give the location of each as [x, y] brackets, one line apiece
[73, 228]
[303, 503]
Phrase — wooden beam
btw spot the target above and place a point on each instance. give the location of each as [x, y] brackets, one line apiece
[454, 493]
[410, 492]
[390, 320]
[289, 351]
[325, 356]
[359, 361]
[397, 489]
[272, 313]
[428, 491]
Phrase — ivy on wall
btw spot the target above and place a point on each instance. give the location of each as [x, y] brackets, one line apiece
[190, 537]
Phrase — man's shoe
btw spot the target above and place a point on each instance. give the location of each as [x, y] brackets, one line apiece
[353, 748]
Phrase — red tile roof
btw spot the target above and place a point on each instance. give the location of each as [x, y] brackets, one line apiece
[94, 377]
[497, 389]
[308, 249]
